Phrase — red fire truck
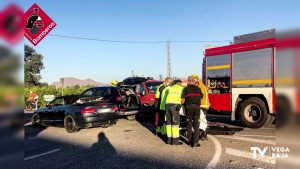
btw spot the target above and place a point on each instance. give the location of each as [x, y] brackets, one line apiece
[240, 78]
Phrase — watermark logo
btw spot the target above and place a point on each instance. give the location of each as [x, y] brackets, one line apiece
[11, 24]
[37, 24]
[274, 152]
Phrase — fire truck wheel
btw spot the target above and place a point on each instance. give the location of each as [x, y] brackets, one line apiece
[254, 113]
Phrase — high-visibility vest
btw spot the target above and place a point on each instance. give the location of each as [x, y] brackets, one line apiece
[204, 100]
[163, 99]
[174, 94]
[159, 90]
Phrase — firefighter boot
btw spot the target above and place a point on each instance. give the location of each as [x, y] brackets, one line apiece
[203, 135]
[169, 140]
[196, 145]
[175, 141]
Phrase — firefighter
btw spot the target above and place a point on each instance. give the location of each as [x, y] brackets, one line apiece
[173, 104]
[162, 107]
[204, 108]
[191, 99]
[160, 115]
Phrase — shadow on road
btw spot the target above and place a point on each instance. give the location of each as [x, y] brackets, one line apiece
[100, 155]
[216, 126]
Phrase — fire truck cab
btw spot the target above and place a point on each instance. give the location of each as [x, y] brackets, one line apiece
[240, 78]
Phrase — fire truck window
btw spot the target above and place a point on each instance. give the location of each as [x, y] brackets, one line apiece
[252, 68]
[218, 73]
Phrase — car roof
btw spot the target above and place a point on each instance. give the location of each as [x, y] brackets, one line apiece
[98, 87]
[154, 81]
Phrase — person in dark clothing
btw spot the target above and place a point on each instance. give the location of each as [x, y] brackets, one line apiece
[191, 99]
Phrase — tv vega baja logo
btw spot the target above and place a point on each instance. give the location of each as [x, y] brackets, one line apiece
[38, 24]
[274, 152]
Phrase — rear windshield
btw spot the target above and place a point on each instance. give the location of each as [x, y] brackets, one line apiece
[152, 86]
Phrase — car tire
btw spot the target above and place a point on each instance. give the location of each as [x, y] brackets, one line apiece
[130, 117]
[254, 113]
[70, 125]
[36, 121]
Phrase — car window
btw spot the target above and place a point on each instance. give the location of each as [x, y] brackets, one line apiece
[88, 92]
[152, 86]
[140, 88]
[57, 102]
[103, 92]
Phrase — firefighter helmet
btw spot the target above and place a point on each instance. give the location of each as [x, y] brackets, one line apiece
[114, 83]
[195, 76]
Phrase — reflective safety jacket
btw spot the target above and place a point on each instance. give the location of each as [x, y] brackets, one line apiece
[163, 98]
[159, 90]
[204, 100]
[174, 94]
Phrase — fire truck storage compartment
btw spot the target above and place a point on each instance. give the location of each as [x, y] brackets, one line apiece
[218, 73]
[218, 81]
[252, 68]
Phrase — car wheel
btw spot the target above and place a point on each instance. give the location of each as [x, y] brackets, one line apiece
[131, 117]
[36, 121]
[254, 113]
[70, 124]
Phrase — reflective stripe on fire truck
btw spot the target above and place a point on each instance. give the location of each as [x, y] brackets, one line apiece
[218, 67]
[263, 81]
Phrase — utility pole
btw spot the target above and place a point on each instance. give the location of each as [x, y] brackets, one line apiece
[62, 82]
[169, 59]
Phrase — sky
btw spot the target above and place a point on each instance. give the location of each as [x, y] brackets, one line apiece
[147, 20]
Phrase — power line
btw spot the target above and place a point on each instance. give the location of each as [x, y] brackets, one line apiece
[141, 42]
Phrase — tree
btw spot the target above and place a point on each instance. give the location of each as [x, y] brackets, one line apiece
[9, 66]
[33, 66]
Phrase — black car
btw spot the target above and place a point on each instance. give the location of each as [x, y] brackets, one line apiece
[97, 106]
[131, 81]
[124, 97]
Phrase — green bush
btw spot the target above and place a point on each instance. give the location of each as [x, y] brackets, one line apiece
[52, 90]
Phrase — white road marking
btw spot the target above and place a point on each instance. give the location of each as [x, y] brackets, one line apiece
[249, 139]
[249, 155]
[218, 151]
[249, 135]
[266, 128]
[48, 152]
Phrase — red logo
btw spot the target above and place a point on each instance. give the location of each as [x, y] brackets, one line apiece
[11, 24]
[37, 24]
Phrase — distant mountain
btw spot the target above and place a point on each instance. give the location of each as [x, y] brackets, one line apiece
[71, 81]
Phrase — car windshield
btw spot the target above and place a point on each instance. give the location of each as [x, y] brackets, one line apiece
[152, 86]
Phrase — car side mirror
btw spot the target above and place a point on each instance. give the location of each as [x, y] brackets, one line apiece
[143, 93]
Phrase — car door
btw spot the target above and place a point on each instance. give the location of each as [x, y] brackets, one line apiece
[52, 112]
[141, 93]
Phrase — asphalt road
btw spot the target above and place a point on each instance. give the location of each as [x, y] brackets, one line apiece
[132, 144]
